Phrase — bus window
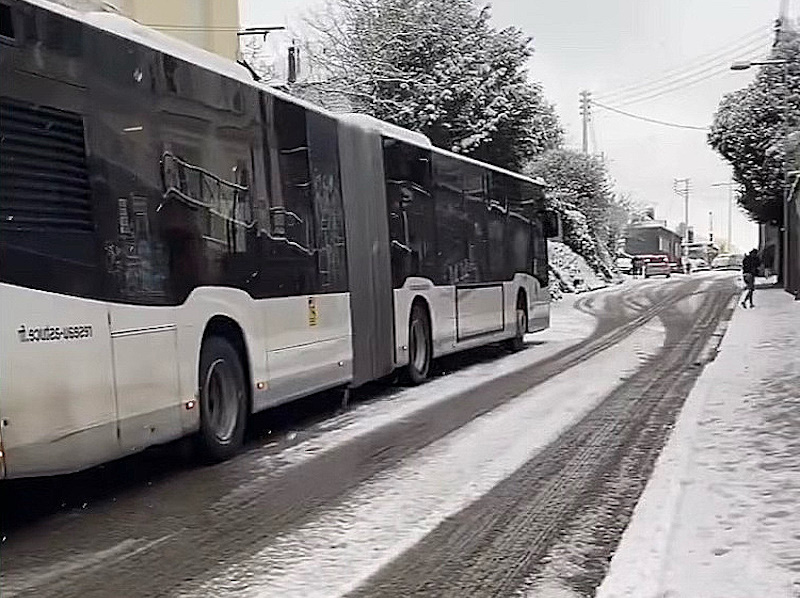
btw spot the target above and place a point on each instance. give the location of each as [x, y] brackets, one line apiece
[295, 217]
[331, 257]
[410, 210]
[452, 226]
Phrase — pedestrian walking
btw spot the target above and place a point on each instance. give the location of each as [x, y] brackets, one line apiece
[750, 265]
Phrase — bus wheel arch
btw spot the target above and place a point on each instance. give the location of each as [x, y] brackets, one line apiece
[420, 342]
[224, 393]
[521, 318]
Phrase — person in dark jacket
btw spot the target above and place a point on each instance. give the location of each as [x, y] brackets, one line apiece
[750, 265]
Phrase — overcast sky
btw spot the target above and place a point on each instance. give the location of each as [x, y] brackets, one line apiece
[683, 46]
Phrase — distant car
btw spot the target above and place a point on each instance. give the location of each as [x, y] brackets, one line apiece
[697, 264]
[701, 266]
[656, 265]
[727, 261]
[624, 264]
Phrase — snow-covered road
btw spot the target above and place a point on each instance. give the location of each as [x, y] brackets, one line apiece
[458, 487]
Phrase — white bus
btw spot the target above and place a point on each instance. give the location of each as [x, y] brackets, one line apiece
[181, 247]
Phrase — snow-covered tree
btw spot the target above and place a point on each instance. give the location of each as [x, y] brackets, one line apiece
[751, 126]
[256, 55]
[582, 178]
[437, 67]
[579, 189]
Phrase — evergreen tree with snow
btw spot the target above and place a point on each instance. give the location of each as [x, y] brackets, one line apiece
[434, 66]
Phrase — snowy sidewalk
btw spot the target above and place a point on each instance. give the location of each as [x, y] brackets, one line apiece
[720, 517]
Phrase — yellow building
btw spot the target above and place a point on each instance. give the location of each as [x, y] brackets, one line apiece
[209, 24]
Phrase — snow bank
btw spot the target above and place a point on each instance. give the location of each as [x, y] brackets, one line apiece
[719, 517]
[570, 272]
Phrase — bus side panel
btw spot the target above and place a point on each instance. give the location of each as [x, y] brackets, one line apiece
[441, 305]
[538, 303]
[368, 260]
[480, 310]
[56, 387]
[308, 344]
[145, 352]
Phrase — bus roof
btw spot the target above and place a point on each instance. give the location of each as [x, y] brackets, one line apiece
[414, 138]
[124, 27]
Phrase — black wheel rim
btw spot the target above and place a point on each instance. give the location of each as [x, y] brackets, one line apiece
[222, 394]
[419, 346]
[522, 322]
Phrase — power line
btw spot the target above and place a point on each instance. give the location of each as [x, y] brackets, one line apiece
[647, 119]
[759, 35]
[678, 84]
[192, 27]
[690, 76]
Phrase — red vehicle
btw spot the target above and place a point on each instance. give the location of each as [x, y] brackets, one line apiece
[655, 265]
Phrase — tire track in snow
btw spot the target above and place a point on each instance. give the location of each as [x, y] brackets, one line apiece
[496, 546]
[343, 545]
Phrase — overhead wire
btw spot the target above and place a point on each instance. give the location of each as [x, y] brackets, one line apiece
[690, 77]
[745, 43]
[647, 118]
[678, 84]
[192, 27]
[753, 37]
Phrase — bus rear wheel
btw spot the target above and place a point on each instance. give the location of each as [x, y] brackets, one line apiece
[419, 345]
[222, 399]
[517, 343]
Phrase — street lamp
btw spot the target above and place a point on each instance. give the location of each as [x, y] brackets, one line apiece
[743, 66]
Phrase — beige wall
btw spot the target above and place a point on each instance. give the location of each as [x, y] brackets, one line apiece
[210, 24]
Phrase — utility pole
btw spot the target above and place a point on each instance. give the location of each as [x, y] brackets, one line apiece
[586, 100]
[681, 188]
[730, 185]
[711, 227]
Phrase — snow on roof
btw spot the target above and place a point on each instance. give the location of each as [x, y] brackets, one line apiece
[651, 224]
[384, 128]
[122, 26]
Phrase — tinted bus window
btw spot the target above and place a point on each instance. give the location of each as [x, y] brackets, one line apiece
[411, 211]
[452, 225]
[331, 257]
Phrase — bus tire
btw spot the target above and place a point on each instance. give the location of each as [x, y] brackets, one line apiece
[419, 345]
[517, 342]
[222, 400]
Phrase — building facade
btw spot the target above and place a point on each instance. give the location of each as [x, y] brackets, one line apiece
[652, 237]
[208, 24]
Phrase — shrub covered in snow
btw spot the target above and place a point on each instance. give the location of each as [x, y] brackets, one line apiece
[570, 272]
[580, 191]
[579, 238]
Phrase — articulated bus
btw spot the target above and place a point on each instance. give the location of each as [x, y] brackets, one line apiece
[181, 246]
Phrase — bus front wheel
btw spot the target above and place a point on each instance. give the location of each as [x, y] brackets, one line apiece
[419, 345]
[223, 400]
[517, 342]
